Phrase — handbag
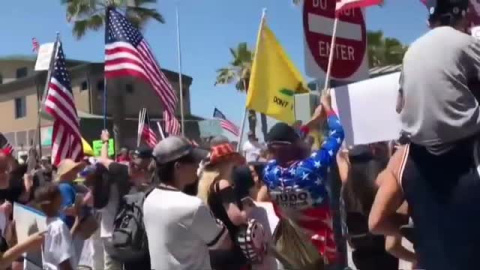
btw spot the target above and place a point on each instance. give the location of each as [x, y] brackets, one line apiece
[87, 227]
[293, 248]
[252, 241]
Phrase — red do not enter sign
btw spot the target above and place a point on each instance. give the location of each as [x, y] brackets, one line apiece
[351, 38]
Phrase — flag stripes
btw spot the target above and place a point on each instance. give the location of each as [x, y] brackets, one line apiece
[60, 104]
[225, 123]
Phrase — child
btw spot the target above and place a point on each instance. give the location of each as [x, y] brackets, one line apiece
[58, 250]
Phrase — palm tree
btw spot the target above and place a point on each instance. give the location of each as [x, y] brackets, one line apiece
[384, 51]
[238, 72]
[90, 15]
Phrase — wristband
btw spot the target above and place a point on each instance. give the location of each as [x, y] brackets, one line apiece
[331, 113]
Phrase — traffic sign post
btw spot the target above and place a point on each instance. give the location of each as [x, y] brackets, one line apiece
[349, 57]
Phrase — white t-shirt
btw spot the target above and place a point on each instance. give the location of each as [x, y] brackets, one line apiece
[252, 151]
[109, 212]
[58, 245]
[180, 230]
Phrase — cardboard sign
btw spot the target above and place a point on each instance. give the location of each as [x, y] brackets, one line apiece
[28, 221]
[475, 32]
[210, 128]
[97, 147]
[44, 56]
[367, 110]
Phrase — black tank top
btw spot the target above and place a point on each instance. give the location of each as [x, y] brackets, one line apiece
[443, 193]
[225, 259]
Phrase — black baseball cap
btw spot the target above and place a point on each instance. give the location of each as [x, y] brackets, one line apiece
[441, 8]
[143, 152]
[282, 133]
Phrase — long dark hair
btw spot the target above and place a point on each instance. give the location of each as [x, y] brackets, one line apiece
[360, 190]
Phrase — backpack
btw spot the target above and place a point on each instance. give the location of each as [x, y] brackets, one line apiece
[129, 241]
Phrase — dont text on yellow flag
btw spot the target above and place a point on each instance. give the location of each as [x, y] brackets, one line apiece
[274, 79]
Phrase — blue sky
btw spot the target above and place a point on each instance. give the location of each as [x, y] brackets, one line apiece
[208, 29]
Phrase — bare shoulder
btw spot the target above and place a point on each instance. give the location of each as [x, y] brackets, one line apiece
[223, 184]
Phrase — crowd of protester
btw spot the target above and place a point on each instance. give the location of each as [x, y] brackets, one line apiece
[195, 204]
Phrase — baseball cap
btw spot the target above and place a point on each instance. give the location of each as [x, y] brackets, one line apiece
[143, 152]
[440, 8]
[282, 133]
[175, 147]
[218, 140]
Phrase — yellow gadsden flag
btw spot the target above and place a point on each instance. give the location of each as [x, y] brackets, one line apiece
[274, 79]
[87, 149]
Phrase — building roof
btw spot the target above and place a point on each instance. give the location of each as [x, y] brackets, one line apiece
[373, 72]
[379, 71]
[33, 58]
[86, 115]
[78, 66]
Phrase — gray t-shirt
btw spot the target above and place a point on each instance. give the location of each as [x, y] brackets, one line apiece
[439, 107]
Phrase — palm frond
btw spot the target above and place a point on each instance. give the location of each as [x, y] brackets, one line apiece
[225, 76]
[139, 16]
[80, 27]
[90, 14]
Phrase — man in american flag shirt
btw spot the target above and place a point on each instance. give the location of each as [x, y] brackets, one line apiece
[297, 182]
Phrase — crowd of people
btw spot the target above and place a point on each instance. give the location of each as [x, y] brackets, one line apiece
[405, 204]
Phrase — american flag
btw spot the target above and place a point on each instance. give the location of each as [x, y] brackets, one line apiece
[35, 45]
[148, 135]
[127, 53]
[60, 104]
[172, 126]
[5, 145]
[225, 123]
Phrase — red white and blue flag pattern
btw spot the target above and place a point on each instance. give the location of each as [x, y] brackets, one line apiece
[60, 104]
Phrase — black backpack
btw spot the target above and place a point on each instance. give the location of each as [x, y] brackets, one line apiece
[129, 241]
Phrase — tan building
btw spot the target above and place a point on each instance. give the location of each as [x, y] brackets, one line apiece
[21, 90]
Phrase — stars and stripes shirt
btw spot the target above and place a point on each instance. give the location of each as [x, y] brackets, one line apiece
[60, 104]
[300, 191]
[127, 53]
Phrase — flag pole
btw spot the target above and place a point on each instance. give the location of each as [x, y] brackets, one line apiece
[240, 137]
[104, 101]
[108, 3]
[330, 56]
[160, 129]
[141, 122]
[180, 81]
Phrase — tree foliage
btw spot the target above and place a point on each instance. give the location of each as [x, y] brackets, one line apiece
[89, 15]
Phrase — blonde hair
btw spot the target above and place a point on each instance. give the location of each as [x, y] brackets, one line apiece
[208, 176]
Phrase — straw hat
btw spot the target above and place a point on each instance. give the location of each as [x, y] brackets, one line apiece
[67, 166]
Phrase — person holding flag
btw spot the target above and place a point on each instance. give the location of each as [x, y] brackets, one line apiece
[297, 182]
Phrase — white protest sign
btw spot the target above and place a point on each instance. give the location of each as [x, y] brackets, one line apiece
[210, 128]
[475, 32]
[367, 110]
[28, 221]
[44, 56]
